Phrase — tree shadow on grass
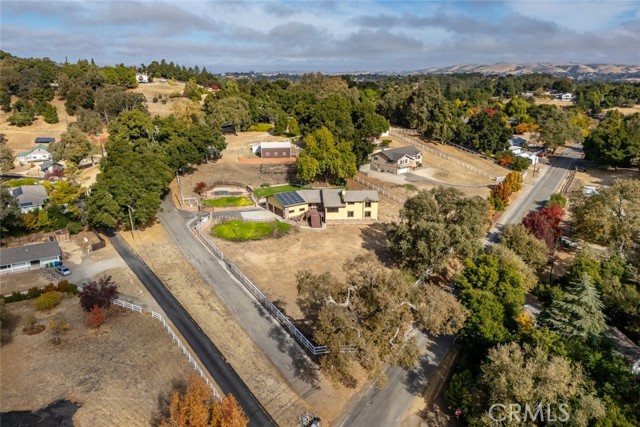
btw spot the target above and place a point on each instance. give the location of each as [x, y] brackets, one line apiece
[374, 239]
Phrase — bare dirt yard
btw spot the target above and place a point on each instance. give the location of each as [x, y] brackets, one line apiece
[319, 251]
[262, 377]
[118, 372]
[21, 139]
[157, 88]
[228, 168]
[601, 177]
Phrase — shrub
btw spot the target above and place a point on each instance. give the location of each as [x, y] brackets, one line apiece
[57, 328]
[74, 227]
[261, 127]
[29, 321]
[265, 185]
[33, 293]
[386, 142]
[556, 200]
[175, 95]
[15, 297]
[98, 293]
[66, 287]
[96, 317]
[47, 301]
[520, 163]
[155, 99]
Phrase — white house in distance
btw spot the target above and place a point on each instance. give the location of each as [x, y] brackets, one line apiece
[142, 78]
[39, 153]
[30, 197]
[567, 97]
[29, 257]
[396, 160]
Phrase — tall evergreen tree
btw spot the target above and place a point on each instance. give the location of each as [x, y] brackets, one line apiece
[579, 312]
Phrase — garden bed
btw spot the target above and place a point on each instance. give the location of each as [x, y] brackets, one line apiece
[227, 202]
[241, 231]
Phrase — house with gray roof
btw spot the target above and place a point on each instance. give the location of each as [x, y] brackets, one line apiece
[396, 160]
[326, 205]
[30, 197]
[29, 257]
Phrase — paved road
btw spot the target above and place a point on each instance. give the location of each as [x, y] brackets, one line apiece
[213, 361]
[536, 195]
[292, 362]
[388, 405]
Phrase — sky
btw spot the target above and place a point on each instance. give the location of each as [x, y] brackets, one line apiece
[327, 36]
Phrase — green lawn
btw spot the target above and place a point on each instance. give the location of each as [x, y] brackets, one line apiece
[242, 231]
[269, 191]
[226, 202]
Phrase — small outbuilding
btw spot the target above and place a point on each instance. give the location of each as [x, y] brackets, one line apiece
[30, 257]
[271, 150]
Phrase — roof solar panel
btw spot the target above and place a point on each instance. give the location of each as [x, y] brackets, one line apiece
[289, 199]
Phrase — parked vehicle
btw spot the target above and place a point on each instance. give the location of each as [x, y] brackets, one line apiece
[63, 271]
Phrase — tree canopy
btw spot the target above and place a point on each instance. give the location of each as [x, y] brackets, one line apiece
[436, 225]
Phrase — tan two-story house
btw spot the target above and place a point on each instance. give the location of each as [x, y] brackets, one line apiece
[396, 160]
[326, 205]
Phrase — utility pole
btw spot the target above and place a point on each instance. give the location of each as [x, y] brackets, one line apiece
[130, 220]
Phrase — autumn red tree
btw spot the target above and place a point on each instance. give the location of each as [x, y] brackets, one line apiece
[541, 227]
[200, 188]
[99, 293]
[95, 317]
[554, 214]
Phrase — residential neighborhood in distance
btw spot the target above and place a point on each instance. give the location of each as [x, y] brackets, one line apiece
[314, 214]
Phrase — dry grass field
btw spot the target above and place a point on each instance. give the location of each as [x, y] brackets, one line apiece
[149, 90]
[118, 372]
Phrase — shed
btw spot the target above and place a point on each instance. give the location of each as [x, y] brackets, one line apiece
[29, 257]
[273, 149]
[61, 235]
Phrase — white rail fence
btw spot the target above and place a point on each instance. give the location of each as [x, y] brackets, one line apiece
[124, 304]
[192, 360]
[380, 190]
[253, 290]
[400, 134]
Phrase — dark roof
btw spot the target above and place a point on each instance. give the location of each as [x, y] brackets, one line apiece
[290, 198]
[331, 198]
[27, 253]
[30, 195]
[361, 196]
[395, 154]
[44, 140]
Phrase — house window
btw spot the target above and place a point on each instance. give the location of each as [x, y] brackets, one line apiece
[349, 214]
[275, 153]
[301, 209]
[367, 204]
[332, 210]
[284, 154]
[267, 153]
[375, 158]
[367, 214]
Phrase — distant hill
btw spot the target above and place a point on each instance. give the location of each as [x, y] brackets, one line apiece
[575, 71]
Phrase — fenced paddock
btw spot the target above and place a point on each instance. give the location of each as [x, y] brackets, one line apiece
[181, 346]
[313, 349]
[176, 339]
